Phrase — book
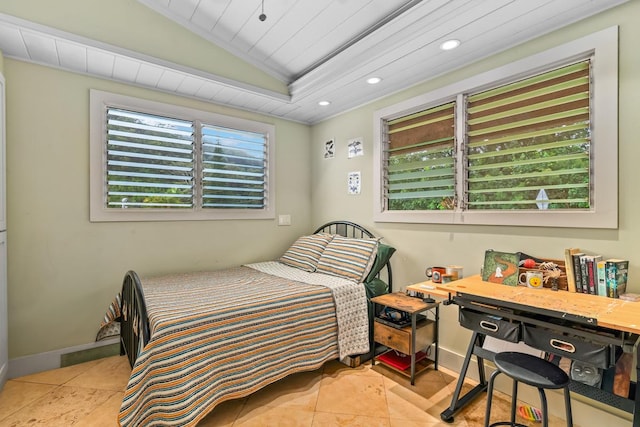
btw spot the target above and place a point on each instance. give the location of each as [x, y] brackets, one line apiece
[584, 276]
[616, 271]
[602, 280]
[568, 263]
[591, 262]
[399, 360]
[577, 270]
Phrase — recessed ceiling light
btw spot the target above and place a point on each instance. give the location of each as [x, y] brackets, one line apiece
[450, 44]
[324, 103]
[374, 80]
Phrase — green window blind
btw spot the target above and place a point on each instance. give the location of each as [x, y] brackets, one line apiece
[234, 168]
[420, 172]
[528, 143]
[150, 161]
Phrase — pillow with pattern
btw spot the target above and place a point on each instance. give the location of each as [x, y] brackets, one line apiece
[306, 251]
[348, 257]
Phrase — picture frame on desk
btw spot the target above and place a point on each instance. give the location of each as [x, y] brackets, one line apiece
[500, 267]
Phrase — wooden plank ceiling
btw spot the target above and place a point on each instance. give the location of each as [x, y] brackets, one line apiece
[322, 50]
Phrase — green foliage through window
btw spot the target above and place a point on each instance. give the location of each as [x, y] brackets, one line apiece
[528, 143]
[234, 165]
[421, 167]
[526, 146]
[156, 162]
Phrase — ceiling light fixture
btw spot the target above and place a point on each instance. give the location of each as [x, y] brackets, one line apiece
[262, 16]
[450, 44]
[374, 80]
[324, 103]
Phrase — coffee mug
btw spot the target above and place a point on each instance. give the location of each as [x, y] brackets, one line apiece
[533, 279]
[455, 271]
[447, 278]
[435, 273]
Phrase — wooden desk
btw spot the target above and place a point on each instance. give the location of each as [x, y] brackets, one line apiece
[614, 322]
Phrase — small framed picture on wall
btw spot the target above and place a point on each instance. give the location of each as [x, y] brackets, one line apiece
[353, 182]
[329, 149]
[355, 147]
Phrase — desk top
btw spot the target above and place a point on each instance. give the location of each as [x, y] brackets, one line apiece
[610, 313]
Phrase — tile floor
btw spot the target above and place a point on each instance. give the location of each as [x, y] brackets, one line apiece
[89, 394]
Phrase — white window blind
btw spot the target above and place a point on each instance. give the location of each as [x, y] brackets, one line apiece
[150, 161]
[233, 168]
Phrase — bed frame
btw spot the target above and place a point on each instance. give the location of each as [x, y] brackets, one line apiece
[134, 325]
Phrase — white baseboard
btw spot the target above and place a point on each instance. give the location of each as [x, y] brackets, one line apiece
[4, 369]
[35, 363]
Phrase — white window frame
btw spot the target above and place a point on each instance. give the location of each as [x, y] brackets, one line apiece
[603, 47]
[98, 212]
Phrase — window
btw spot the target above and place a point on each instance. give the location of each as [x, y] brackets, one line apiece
[530, 143]
[420, 166]
[152, 161]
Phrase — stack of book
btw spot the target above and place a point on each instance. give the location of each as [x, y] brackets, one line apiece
[592, 274]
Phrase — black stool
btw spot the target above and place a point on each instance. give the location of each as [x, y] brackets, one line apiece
[535, 372]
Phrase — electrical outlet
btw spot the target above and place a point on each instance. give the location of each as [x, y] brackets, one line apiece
[284, 219]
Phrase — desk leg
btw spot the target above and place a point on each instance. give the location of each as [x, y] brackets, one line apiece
[458, 402]
[437, 337]
[371, 334]
[413, 347]
[636, 408]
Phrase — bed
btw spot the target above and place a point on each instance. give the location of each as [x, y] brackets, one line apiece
[195, 340]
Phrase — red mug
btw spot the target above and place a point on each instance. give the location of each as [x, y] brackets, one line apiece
[435, 273]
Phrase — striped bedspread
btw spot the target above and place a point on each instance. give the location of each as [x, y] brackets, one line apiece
[222, 335]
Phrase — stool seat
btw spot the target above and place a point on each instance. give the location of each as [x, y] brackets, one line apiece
[531, 370]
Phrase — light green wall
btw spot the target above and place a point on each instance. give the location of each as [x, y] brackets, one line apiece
[64, 270]
[421, 245]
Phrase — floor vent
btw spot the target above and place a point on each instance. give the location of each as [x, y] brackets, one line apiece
[82, 356]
